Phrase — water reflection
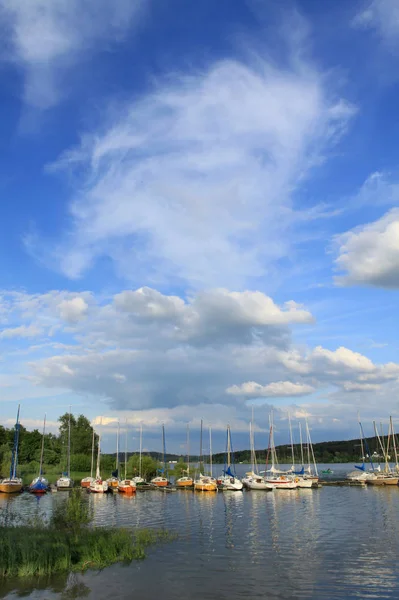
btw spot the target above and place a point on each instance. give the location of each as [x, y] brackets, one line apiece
[334, 542]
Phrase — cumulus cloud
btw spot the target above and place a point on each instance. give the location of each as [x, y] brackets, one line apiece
[277, 389]
[73, 310]
[22, 331]
[369, 254]
[195, 181]
[46, 38]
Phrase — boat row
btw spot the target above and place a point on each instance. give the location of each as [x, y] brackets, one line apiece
[375, 474]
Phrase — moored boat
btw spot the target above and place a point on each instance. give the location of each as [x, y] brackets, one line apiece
[127, 486]
[253, 480]
[229, 480]
[65, 482]
[205, 484]
[98, 486]
[13, 484]
[186, 481]
[87, 481]
[162, 480]
[40, 484]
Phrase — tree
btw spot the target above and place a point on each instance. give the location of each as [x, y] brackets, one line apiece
[149, 466]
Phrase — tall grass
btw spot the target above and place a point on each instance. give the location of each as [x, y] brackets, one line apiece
[67, 544]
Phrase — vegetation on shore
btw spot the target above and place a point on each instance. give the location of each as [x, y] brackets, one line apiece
[66, 543]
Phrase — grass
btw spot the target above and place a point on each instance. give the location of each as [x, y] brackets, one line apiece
[66, 543]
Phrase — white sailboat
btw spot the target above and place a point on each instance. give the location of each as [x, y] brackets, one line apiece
[229, 480]
[385, 477]
[186, 481]
[274, 476]
[13, 484]
[253, 480]
[205, 483]
[302, 480]
[98, 486]
[113, 481]
[86, 481]
[360, 473]
[139, 479]
[65, 482]
[312, 473]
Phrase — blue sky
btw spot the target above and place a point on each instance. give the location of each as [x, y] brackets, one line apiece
[200, 212]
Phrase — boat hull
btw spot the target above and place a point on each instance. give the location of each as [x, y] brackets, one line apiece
[10, 488]
[85, 483]
[160, 482]
[184, 484]
[304, 483]
[257, 483]
[99, 487]
[39, 486]
[205, 487]
[383, 481]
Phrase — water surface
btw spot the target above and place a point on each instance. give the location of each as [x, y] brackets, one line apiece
[333, 542]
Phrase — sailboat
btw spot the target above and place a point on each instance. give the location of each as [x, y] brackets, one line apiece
[65, 482]
[40, 484]
[138, 480]
[274, 476]
[253, 480]
[162, 480]
[205, 483]
[312, 474]
[126, 486]
[86, 481]
[113, 481]
[385, 477]
[229, 480]
[360, 474]
[98, 486]
[302, 480]
[186, 480]
[13, 484]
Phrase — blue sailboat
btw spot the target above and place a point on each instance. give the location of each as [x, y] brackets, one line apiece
[40, 484]
[13, 484]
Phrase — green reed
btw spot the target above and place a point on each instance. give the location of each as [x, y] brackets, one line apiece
[67, 543]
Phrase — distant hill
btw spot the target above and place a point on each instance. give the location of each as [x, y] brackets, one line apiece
[325, 452]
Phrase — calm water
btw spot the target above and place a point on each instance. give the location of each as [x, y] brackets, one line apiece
[333, 542]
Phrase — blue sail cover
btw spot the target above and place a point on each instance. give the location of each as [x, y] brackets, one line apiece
[228, 472]
[361, 468]
[301, 472]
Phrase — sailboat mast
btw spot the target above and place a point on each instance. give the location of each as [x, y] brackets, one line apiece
[394, 445]
[292, 443]
[361, 438]
[42, 450]
[69, 444]
[163, 450]
[117, 450]
[14, 456]
[301, 443]
[141, 447]
[311, 448]
[200, 456]
[125, 450]
[251, 441]
[98, 458]
[228, 446]
[188, 449]
[92, 454]
[210, 449]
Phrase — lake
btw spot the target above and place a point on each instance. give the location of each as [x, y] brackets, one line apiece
[332, 542]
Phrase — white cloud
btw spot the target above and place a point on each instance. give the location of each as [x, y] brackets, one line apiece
[342, 357]
[277, 389]
[48, 37]
[73, 310]
[22, 331]
[354, 386]
[195, 181]
[369, 254]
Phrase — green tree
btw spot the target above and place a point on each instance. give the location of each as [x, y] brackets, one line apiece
[149, 466]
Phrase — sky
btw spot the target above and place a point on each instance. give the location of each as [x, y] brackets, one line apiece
[199, 215]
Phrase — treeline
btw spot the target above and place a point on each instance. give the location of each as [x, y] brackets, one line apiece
[325, 452]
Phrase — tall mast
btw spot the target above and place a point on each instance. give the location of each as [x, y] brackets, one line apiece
[141, 447]
[361, 438]
[98, 476]
[42, 450]
[210, 449]
[387, 469]
[163, 449]
[188, 449]
[228, 446]
[378, 437]
[69, 444]
[394, 445]
[14, 456]
[117, 450]
[301, 443]
[311, 448]
[292, 443]
[200, 456]
[125, 450]
[251, 441]
[92, 454]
